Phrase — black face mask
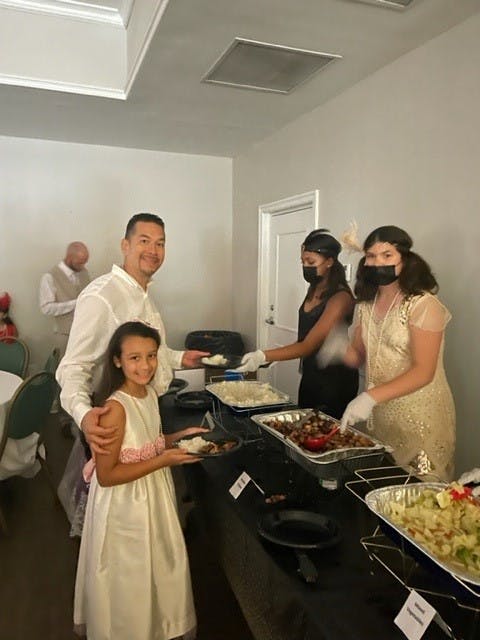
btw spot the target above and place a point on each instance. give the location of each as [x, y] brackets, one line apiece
[380, 276]
[311, 276]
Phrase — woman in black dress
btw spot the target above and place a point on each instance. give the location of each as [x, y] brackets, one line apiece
[329, 302]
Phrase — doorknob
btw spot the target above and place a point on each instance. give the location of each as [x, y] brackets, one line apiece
[270, 320]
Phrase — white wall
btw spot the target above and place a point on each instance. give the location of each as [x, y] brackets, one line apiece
[401, 147]
[52, 193]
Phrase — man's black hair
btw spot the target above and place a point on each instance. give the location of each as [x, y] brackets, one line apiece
[142, 217]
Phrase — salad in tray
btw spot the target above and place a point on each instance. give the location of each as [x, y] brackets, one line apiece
[446, 523]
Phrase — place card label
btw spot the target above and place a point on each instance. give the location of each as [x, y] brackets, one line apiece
[239, 485]
[415, 616]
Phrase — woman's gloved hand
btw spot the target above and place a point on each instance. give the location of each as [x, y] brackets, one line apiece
[357, 410]
[334, 347]
[252, 361]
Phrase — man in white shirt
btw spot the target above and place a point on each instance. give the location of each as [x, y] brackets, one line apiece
[109, 301]
[60, 288]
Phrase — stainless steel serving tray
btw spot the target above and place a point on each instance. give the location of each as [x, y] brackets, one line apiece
[378, 501]
[326, 457]
[215, 390]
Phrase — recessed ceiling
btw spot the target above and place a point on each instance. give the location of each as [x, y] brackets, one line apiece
[169, 108]
[109, 11]
[90, 48]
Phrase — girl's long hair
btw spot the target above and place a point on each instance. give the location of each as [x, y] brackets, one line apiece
[337, 281]
[416, 276]
[113, 376]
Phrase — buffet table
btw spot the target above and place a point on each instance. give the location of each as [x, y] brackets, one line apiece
[353, 599]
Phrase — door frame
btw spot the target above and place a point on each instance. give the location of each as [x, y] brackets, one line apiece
[265, 214]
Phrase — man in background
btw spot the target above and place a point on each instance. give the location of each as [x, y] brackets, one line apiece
[60, 288]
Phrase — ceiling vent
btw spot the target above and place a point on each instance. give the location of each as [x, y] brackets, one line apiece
[249, 64]
[392, 4]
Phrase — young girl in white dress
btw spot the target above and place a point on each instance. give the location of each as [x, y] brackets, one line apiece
[133, 578]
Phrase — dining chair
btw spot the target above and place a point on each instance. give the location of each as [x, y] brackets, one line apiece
[52, 361]
[27, 413]
[14, 356]
[51, 366]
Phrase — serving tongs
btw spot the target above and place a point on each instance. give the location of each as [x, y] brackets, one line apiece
[298, 424]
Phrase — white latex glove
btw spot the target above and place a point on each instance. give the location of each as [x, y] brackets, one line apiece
[334, 346]
[252, 361]
[357, 410]
[470, 476]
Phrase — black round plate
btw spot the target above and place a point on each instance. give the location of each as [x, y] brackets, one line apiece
[299, 529]
[194, 400]
[176, 385]
[216, 436]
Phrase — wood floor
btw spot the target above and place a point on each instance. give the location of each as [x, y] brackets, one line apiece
[38, 562]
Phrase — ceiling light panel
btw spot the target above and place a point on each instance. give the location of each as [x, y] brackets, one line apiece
[249, 64]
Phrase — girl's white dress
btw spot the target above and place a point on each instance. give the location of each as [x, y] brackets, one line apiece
[133, 578]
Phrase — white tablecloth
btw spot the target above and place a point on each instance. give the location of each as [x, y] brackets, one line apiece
[19, 457]
[8, 385]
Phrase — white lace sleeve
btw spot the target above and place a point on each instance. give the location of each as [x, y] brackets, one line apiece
[429, 314]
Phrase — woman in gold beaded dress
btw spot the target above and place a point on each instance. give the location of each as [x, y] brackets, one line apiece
[399, 336]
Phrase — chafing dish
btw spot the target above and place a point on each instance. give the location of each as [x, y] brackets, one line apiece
[329, 466]
[220, 391]
[379, 502]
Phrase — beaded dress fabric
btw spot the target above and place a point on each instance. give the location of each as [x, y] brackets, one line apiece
[419, 426]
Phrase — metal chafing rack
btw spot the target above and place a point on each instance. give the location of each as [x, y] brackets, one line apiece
[224, 412]
[330, 467]
[406, 560]
[215, 388]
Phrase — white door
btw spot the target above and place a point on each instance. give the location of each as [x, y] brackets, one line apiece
[283, 227]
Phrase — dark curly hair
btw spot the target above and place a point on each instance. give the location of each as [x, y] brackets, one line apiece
[416, 276]
[113, 377]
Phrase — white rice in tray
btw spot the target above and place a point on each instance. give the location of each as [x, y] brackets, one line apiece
[245, 393]
[192, 445]
[218, 359]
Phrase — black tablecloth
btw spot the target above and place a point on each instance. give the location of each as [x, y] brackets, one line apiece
[354, 598]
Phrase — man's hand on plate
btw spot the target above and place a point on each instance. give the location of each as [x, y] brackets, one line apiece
[192, 358]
